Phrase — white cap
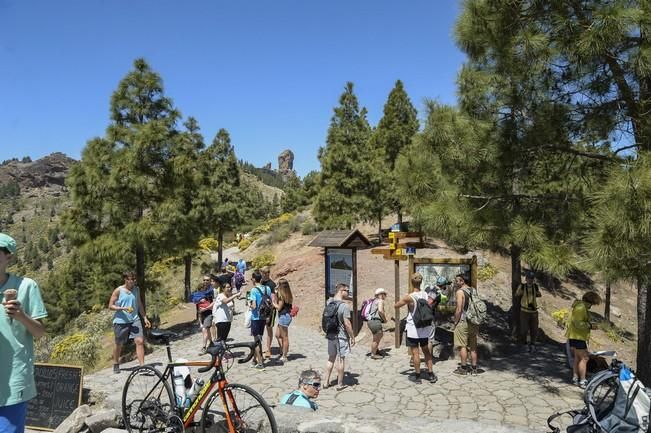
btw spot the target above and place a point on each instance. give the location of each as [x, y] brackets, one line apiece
[380, 291]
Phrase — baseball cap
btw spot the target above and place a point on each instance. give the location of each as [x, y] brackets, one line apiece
[529, 274]
[8, 242]
[380, 291]
[441, 281]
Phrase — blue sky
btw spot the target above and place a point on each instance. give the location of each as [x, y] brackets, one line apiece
[269, 71]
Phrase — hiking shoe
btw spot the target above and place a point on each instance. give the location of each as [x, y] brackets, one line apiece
[461, 370]
[259, 367]
[116, 368]
[414, 378]
[583, 383]
[432, 377]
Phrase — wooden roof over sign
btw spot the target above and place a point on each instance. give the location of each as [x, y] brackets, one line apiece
[340, 239]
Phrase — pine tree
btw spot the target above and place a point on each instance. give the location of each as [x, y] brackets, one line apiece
[394, 133]
[344, 166]
[122, 178]
[294, 197]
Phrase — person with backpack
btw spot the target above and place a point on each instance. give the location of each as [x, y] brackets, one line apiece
[376, 318]
[271, 319]
[418, 327]
[465, 332]
[528, 292]
[203, 300]
[309, 385]
[336, 324]
[260, 306]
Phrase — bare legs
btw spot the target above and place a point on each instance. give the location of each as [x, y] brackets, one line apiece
[338, 363]
[282, 335]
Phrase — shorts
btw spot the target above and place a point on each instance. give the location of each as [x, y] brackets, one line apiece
[338, 347]
[223, 329]
[284, 320]
[465, 335]
[124, 331]
[375, 326]
[432, 336]
[257, 327]
[205, 318]
[578, 344]
[12, 418]
[416, 342]
[271, 320]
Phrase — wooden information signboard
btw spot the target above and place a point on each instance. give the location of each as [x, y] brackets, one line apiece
[59, 390]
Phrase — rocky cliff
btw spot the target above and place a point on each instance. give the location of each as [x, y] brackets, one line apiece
[49, 171]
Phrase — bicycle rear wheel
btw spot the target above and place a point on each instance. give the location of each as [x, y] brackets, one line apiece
[243, 407]
[600, 394]
[147, 401]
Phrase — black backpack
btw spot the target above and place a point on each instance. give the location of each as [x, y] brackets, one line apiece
[423, 315]
[266, 307]
[330, 319]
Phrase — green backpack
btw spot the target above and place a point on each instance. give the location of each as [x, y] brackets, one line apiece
[477, 310]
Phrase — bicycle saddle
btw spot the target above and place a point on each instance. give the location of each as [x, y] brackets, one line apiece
[161, 334]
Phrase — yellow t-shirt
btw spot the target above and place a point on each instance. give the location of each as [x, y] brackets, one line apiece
[578, 325]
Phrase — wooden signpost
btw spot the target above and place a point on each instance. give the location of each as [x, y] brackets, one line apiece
[402, 246]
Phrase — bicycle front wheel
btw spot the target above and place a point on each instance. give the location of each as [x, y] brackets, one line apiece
[600, 394]
[240, 410]
[147, 401]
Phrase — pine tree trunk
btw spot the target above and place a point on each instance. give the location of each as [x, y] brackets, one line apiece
[607, 303]
[643, 331]
[220, 247]
[140, 272]
[399, 215]
[187, 260]
[379, 228]
[516, 271]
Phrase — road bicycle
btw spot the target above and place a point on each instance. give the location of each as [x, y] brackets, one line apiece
[149, 405]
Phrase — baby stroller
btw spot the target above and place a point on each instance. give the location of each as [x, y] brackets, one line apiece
[616, 402]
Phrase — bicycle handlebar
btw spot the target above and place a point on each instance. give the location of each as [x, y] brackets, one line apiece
[218, 350]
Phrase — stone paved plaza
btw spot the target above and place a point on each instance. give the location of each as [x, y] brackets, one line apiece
[520, 390]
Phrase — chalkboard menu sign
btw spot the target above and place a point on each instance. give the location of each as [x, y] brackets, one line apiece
[59, 394]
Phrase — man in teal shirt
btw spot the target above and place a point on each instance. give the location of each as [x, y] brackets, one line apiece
[309, 385]
[20, 323]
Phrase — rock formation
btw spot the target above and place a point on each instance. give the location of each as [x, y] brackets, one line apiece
[49, 171]
[286, 164]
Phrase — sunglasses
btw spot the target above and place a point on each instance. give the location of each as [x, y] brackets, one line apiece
[316, 385]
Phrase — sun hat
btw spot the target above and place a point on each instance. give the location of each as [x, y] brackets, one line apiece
[8, 242]
[380, 291]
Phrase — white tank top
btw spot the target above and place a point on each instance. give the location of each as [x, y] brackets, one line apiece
[412, 331]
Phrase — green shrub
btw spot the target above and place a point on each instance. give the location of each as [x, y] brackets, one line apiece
[486, 272]
[561, 316]
[79, 348]
[308, 227]
[294, 224]
[244, 244]
[613, 333]
[266, 259]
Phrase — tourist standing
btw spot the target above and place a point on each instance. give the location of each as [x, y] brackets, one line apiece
[283, 305]
[528, 294]
[578, 334]
[417, 336]
[20, 323]
[375, 321]
[257, 323]
[271, 320]
[204, 309]
[465, 333]
[222, 312]
[341, 341]
[127, 323]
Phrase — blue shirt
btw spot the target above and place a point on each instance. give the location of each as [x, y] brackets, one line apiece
[126, 299]
[256, 295]
[241, 266]
[301, 400]
[17, 344]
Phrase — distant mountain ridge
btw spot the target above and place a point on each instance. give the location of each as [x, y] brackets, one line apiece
[49, 171]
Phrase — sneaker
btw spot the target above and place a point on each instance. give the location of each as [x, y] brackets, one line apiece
[432, 377]
[376, 356]
[414, 378]
[583, 383]
[259, 367]
[461, 370]
[202, 351]
[575, 381]
[473, 370]
[116, 368]
[284, 359]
